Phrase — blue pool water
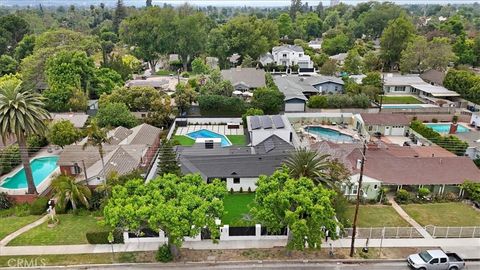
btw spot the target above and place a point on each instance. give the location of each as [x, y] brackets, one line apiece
[203, 133]
[330, 134]
[41, 168]
[445, 128]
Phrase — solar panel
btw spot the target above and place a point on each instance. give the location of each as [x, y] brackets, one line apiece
[269, 145]
[255, 122]
[266, 122]
[278, 121]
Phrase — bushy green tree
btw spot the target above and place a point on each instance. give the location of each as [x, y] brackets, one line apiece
[25, 47]
[337, 44]
[8, 65]
[199, 66]
[105, 80]
[329, 67]
[114, 115]
[395, 39]
[167, 162]
[63, 133]
[137, 98]
[317, 101]
[270, 101]
[353, 62]
[305, 208]
[221, 105]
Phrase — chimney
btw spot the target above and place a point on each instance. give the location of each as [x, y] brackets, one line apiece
[359, 164]
[453, 128]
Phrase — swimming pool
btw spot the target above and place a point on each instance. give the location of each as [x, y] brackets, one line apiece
[206, 134]
[445, 127]
[329, 134]
[41, 169]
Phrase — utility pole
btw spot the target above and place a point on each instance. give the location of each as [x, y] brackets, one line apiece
[352, 246]
[85, 171]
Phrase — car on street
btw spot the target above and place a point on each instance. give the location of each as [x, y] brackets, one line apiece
[435, 260]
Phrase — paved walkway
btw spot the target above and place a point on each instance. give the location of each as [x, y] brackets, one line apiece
[16, 233]
[408, 219]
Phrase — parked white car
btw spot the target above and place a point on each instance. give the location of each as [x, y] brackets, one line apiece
[435, 260]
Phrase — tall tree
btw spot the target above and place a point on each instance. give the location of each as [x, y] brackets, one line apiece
[119, 14]
[191, 35]
[305, 208]
[395, 39]
[179, 206]
[115, 115]
[353, 62]
[96, 137]
[148, 3]
[285, 27]
[63, 133]
[307, 163]
[68, 190]
[16, 26]
[296, 6]
[22, 114]
[167, 162]
[421, 55]
[268, 100]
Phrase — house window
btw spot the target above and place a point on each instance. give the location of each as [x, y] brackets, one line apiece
[399, 89]
[354, 190]
[300, 55]
[370, 128]
[375, 187]
[284, 55]
[236, 180]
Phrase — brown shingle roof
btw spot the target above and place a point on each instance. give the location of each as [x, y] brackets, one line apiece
[385, 119]
[433, 76]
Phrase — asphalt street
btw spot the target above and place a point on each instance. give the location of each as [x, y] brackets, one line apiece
[264, 266]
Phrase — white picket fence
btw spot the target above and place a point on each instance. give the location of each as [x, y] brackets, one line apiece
[453, 232]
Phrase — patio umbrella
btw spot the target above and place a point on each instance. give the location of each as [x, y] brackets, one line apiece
[236, 92]
[247, 94]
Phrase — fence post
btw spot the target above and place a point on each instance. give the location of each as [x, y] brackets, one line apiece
[411, 232]
[397, 232]
[434, 229]
[460, 234]
[370, 233]
[446, 234]
[473, 234]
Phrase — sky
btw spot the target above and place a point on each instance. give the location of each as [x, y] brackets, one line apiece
[216, 2]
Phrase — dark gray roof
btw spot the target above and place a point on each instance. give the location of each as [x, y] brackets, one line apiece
[232, 166]
[293, 88]
[273, 145]
[433, 76]
[252, 77]
[294, 48]
[316, 80]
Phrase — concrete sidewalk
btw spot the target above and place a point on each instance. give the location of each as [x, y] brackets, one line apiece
[467, 247]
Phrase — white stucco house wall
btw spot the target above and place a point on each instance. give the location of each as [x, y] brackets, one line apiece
[287, 55]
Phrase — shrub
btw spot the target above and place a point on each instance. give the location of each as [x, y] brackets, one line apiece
[434, 120]
[402, 196]
[185, 74]
[221, 105]
[102, 237]
[5, 202]
[39, 206]
[231, 190]
[423, 193]
[472, 189]
[450, 143]
[317, 102]
[249, 190]
[450, 196]
[163, 254]
[9, 158]
[35, 142]
[241, 190]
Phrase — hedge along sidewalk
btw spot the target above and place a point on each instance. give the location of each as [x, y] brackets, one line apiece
[26, 228]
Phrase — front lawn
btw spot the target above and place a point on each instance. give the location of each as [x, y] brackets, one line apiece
[237, 139]
[71, 230]
[237, 206]
[400, 100]
[443, 214]
[12, 223]
[376, 216]
[184, 140]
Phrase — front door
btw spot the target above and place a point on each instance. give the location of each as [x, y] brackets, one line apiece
[387, 131]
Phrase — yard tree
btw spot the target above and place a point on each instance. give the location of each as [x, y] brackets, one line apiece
[114, 115]
[8, 65]
[296, 6]
[353, 62]
[440, 54]
[161, 113]
[184, 96]
[307, 163]
[179, 206]
[373, 78]
[63, 133]
[251, 112]
[96, 137]
[305, 208]
[336, 44]
[270, 101]
[120, 13]
[68, 190]
[16, 26]
[24, 47]
[168, 162]
[372, 61]
[137, 98]
[310, 24]
[284, 23]
[376, 19]
[395, 39]
[329, 67]
[151, 33]
[105, 80]
[199, 66]
[190, 34]
[421, 55]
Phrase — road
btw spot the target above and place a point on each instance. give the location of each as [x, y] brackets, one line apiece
[266, 266]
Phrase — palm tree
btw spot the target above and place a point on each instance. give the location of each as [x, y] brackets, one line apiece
[22, 114]
[307, 163]
[96, 137]
[66, 190]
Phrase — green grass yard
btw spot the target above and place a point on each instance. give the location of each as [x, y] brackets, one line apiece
[71, 230]
[12, 223]
[443, 214]
[376, 216]
[400, 100]
[237, 139]
[236, 206]
[184, 140]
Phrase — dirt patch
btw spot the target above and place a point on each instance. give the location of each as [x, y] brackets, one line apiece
[281, 254]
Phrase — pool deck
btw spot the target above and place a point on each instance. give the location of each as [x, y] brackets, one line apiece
[220, 129]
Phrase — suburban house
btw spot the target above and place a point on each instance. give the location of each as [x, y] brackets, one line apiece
[315, 44]
[407, 167]
[340, 58]
[127, 150]
[163, 83]
[260, 128]
[472, 137]
[245, 79]
[433, 77]
[77, 119]
[297, 89]
[414, 85]
[386, 124]
[288, 55]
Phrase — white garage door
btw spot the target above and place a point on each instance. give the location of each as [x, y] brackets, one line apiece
[397, 131]
[294, 107]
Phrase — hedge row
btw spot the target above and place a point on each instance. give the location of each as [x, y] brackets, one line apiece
[102, 237]
[450, 143]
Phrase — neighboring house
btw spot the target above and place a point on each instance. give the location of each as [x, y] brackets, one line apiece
[92, 107]
[77, 119]
[340, 58]
[234, 58]
[398, 167]
[433, 77]
[315, 44]
[358, 79]
[288, 55]
[239, 167]
[245, 79]
[128, 149]
[384, 123]
[297, 89]
[473, 140]
[414, 85]
[163, 83]
[260, 128]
